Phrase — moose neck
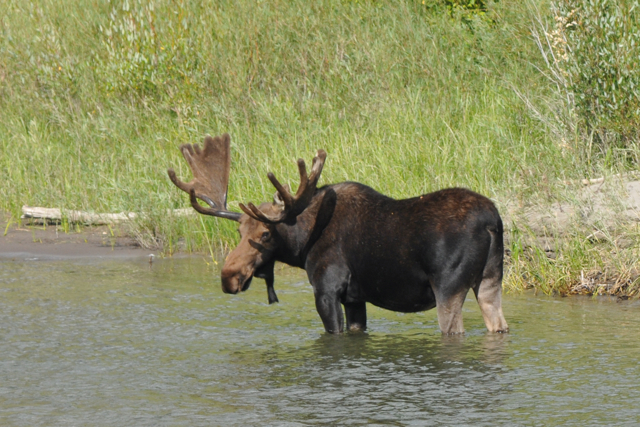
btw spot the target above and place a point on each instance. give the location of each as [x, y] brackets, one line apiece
[300, 234]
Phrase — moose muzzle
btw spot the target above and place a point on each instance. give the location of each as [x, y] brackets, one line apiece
[234, 281]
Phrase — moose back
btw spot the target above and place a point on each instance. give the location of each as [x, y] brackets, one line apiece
[357, 245]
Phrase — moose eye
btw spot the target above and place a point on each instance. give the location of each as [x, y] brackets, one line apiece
[265, 236]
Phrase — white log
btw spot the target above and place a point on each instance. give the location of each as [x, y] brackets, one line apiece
[55, 214]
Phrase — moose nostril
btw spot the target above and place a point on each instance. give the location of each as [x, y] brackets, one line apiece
[231, 284]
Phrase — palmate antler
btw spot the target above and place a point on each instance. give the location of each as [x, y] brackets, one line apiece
[292, 205]
[210, 167]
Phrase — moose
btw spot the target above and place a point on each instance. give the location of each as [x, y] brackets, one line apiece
[357, 245]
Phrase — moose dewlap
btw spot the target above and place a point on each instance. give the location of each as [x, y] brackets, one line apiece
[357, 245]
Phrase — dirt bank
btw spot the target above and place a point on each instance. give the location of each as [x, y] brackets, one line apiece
[589, 236]
[23, 241]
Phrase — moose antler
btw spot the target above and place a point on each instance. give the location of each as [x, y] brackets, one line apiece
[210, 167]
[292, 205]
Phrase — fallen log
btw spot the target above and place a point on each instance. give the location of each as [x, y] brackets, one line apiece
[72, 216]
[602, 179]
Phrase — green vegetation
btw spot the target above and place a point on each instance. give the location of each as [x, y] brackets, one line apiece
[595, 47]
[407, 96]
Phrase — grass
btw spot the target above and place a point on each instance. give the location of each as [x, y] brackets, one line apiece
[579, 263]
[96, 97]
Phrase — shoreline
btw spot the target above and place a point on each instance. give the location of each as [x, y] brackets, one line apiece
[25, 241]
[21, 241]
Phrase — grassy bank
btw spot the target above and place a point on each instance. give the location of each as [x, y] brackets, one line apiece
[405, 96]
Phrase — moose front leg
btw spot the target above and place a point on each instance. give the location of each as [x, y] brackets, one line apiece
[330, 312]
[329, 281]
[356, 313]
[266, 272]
[271, 292]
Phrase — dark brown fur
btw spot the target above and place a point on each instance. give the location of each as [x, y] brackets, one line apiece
[359, 246]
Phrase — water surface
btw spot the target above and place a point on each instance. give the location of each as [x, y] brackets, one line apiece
[113, 343]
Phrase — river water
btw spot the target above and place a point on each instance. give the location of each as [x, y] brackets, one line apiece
[114, 343]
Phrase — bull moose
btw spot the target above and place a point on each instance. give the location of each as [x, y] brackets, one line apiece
[357, 245]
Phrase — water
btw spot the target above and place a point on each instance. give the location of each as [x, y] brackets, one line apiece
[113, 343]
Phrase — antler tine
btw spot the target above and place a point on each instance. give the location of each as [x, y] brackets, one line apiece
[181, 185]
[304, 179]
[284, 194]
[256, 213]
[316, 167]
[308, 184]
[293, 205]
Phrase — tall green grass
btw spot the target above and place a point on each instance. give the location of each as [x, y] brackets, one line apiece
[96, 96]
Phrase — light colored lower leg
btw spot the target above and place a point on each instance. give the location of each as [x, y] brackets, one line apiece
[489, 298]
[450, 314]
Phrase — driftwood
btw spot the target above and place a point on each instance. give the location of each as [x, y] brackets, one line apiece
[57, 215]
[602, 179]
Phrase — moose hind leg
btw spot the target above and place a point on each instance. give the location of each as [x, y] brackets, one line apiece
[489, 296]
[450, 312]
[356, 313]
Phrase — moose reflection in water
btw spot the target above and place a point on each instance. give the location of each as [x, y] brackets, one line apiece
[357, 245]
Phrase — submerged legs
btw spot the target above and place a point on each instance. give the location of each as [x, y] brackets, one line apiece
[450, 312]
[356, 316]
[489, 296]
[330, 312]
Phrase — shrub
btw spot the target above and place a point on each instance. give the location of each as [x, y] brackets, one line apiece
[595, 45]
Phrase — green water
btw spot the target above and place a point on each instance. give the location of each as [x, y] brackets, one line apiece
[115, 343]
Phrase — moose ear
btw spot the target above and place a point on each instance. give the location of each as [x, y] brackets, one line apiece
[277, 199]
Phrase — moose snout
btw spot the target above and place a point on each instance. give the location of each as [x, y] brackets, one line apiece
[230, 282]
[234, 281]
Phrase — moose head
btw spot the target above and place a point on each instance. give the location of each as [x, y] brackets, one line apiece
[254, 255]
